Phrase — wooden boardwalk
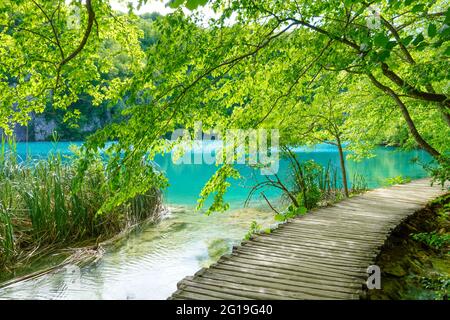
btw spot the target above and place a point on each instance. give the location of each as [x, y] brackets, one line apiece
[322, 255]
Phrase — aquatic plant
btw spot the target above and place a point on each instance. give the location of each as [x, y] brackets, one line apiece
[359, 184]
[291, 212]
[396, 180]
[46, 204]
[255, 227]
[307, 186]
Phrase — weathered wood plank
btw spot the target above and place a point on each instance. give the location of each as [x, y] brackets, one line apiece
[348, 287]
[325, 256]
[289, 273]
[332, 260]
[258, 282]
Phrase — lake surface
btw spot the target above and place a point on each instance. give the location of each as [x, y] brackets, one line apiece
[148, 263]
[186, 181]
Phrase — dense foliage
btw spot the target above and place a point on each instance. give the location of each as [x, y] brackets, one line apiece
[333, 71]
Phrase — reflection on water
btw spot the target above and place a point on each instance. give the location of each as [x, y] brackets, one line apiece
[149, 263]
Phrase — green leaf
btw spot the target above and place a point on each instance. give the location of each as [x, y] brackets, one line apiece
[447, 51]
[390, 45]
[418, 8]
[418, 39]
[383, 55]
[175, 3]
[432, 30]
[194, 4]
[422, 45]
[445, 32]
[407, 40]
[447, 17]
[380, 40]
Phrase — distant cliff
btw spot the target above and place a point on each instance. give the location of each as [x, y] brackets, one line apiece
[42, 127]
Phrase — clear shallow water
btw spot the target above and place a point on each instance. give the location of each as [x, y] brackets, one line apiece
[149, 263]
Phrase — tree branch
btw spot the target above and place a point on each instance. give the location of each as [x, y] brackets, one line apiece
[410, 90]
[394, 32]
[411, 126]
[87, 32]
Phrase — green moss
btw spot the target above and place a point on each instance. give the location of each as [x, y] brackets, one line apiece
[413, 269]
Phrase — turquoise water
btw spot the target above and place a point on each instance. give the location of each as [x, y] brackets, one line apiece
[186, 181]
[148, 263]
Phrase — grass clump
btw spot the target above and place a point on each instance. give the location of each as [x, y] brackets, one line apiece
[396, 180]
[47, 204]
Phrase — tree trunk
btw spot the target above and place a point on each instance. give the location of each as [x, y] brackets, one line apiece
[342, 161]
[411, 126]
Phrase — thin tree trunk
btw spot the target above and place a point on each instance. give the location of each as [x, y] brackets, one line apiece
[342, 161]
[411, 126]
[445, 111]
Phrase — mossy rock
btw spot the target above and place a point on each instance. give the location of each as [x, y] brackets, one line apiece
[441, 265]
[395, 270]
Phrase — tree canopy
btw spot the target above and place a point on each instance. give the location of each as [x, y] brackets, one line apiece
[364, 72]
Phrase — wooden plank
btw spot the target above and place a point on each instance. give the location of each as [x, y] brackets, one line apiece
[187, 295]
[311, 244]
[340, 235]
[240, 291]
[338, 256]
[214, 294]
[325, 227]
[283, 273]
[292, 266]
[300, 288]
[346, 286]
[276, 262]
[333, 261]
[298, 260]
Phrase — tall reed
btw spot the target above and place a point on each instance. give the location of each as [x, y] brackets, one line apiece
[39, 205]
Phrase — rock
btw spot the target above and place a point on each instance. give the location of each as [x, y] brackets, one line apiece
[441, 265]
[43, 128]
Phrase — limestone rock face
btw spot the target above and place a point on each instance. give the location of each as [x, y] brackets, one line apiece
[43, 128]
